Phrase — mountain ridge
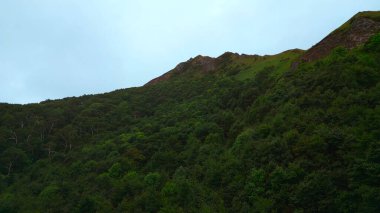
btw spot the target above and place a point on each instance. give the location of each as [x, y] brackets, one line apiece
[201, 63]
[206, 64]
[351, 34]
[356, 31]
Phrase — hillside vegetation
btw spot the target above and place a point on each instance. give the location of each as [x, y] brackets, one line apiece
[247, 134]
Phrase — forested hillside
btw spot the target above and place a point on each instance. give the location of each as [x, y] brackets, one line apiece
[237, 133]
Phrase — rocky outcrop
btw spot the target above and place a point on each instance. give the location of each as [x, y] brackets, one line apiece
[199, 63]
[203, 64]
[355, 32]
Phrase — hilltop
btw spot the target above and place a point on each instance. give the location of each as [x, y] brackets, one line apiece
[351, 34]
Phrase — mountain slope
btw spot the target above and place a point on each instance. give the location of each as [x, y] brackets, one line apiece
[237, 133]
[244, 66]
[354, 32]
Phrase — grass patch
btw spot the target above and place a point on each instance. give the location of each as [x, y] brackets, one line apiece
[280, 62]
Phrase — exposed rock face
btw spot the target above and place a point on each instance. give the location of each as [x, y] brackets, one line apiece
[203, 63]
[360, 29]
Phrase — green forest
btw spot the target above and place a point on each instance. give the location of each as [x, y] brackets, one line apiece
[257, 134]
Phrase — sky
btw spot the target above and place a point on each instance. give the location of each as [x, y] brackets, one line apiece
[63, 48]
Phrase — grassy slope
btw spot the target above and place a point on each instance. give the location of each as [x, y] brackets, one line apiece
[280, 63]
[374, 15]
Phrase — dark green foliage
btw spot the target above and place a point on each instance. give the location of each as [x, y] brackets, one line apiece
[303, 140]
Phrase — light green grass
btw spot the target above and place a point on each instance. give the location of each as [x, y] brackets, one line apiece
[280, 62]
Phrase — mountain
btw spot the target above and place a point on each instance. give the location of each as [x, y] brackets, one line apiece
[294, 132]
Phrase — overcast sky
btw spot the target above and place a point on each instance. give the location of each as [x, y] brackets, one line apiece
[52, 49]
